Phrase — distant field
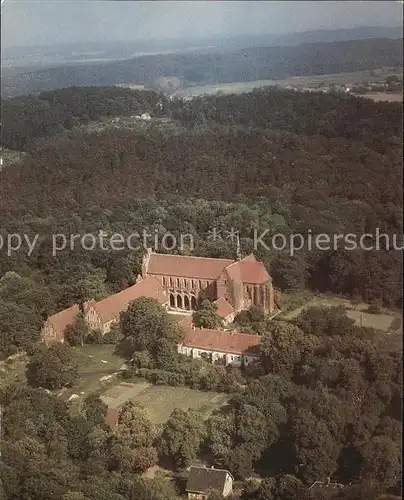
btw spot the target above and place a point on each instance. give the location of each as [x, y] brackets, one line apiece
[342, 78]
[384, 96]
[387, 322]
[161, 400]
[379, 321]
[295, 81]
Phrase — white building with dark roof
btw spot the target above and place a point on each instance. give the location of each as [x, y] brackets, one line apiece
[202, 481]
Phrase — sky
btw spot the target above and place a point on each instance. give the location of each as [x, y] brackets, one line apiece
[39, 22]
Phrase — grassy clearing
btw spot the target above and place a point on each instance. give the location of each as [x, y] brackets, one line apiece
[379, 321]
[97, 359]
[384, 96]
[13, 372]
[304, 300]
[95, 362]
[161, 400]
[294, 304]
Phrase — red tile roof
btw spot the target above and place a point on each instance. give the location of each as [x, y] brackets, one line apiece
[224, 309]
[62, 319]
[186, 322]
[248, 270]
[112, 416]
[187, 267]
[221, 341]
[109, 308]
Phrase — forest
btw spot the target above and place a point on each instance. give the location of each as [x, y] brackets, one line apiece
[242, 65]
[320, 163]
[326, 400]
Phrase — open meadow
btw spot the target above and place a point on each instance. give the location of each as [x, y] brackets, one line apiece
[161, 400]
[347, 79]
[387, 321]
[384, 96]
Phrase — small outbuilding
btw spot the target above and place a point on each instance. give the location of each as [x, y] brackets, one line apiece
[202, 481]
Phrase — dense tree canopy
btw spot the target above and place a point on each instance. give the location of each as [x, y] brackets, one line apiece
[52, 367]
[49, 453]
[182, 436]
[146, 326]
[206, 316]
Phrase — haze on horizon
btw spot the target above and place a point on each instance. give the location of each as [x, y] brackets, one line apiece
[51, 22]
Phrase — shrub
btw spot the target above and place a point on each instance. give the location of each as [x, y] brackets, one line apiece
[190, 373]
[142, 359]
[161, 377]
[94, 337]
[374, 307]
[113, 336]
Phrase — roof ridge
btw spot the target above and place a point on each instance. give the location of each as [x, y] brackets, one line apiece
[125, 290]
[62, 311]
[222, 298]
[232, 264]
[208, 468]
[224, 331]
[192, 257]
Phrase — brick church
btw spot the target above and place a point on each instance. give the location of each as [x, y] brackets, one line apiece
[188, 280]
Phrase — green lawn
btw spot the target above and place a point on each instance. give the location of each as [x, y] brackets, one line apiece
[293, 305]
[379, 321]
[95, 362]
[161, 400]
[97, 359]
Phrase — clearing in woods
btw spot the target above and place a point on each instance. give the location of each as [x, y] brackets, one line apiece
[388, 321]
[161, 400]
